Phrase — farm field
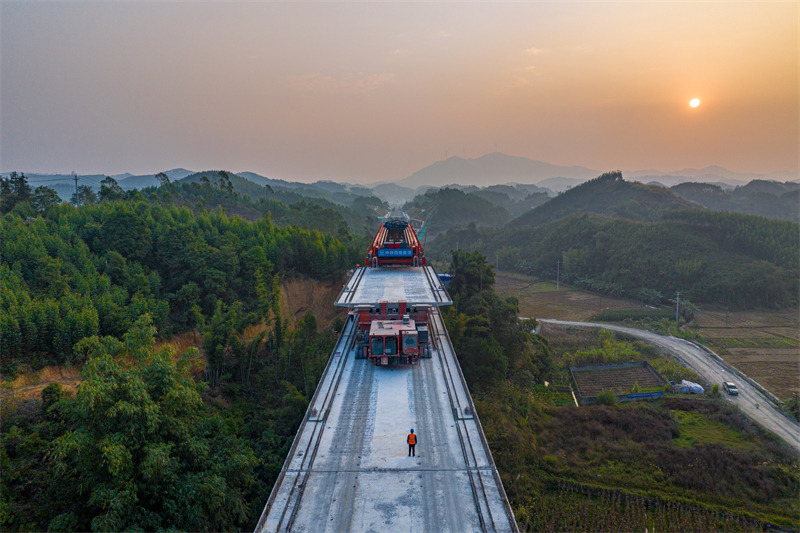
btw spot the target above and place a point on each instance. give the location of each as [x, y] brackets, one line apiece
[620, 379]
[541, 299]
[763, 344]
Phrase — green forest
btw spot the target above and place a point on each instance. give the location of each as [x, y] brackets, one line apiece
[759, 197]
[711, 257]
[154, 440]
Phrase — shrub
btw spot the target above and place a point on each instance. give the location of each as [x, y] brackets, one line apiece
[606, 397]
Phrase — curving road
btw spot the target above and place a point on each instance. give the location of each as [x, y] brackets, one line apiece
[750, 400]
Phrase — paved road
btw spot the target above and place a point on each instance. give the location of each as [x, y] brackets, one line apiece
[750, 400]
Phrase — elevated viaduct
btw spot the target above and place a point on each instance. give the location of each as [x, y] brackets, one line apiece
[349, 469]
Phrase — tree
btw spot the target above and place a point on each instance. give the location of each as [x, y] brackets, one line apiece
[85, 195]
[110, 189]
[13, 190]
[472, 274]
[163, 179]
[142, 451]
[124, 231]
[491, 342]
[217, 339]
[224, 181]
[44, 198]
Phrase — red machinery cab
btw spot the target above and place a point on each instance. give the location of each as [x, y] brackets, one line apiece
[395, 244]
[393, 341]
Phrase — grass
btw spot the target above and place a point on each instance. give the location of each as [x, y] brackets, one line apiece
[671, 370]
[757, 342]
[697, 429]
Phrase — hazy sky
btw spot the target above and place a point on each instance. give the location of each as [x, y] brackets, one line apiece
[367, 92]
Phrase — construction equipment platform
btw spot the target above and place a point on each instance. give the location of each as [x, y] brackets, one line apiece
[414, 285]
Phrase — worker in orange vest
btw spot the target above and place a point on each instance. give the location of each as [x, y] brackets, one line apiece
[412, 442]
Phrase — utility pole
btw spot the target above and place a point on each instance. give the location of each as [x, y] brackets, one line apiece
[677, 304]
[558, 273]
[77, 198]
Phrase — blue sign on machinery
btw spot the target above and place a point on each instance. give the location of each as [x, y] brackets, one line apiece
[396, 252]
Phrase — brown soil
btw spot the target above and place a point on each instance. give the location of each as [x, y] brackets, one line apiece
[183, 342]
[28, 387]
[301, 295]
[778, 370]
[540, 300]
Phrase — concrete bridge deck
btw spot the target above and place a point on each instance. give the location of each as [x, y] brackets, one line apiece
[349, 470]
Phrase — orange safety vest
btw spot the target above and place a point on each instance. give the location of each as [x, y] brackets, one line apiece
[412, 439]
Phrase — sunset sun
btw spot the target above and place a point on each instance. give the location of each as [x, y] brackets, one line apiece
[694, 102]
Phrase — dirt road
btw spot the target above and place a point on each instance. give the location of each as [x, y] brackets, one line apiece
[750, 400]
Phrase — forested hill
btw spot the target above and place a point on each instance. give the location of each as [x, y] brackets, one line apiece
[771, 199]
[72, 273]
[152, 439]
[739, 260]
[608, 195]
[334, 213]
[454, 208]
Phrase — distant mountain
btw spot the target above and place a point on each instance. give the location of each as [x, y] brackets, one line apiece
[452, 207]
[149, 180]
[35, 180]
[261, 180]
[710, 174]
[490, 169]
[342, 193]
[514, 198]
[608, 195]
[560, 184]
[393, 193]
[670, 180]
[771, 199]
[61, 182]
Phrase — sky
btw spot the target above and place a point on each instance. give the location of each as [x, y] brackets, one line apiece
[366, 92]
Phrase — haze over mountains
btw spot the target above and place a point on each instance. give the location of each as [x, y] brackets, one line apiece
[498, 168]
[490, 169]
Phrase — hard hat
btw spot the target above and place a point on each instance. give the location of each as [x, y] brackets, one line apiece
[412, 430]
